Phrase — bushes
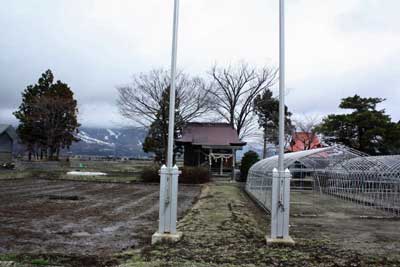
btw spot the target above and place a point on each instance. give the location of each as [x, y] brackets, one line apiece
[194, 175]
[150, 174]
[248, 160]
[189, 175]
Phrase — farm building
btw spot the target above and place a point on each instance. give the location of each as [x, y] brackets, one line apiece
[211, 145]
[7, 138]
[303, 141]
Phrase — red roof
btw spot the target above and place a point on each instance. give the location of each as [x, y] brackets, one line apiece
[302, 141]
[210, 134]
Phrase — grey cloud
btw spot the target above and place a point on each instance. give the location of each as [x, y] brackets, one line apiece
[377, 16]
[322, 95]
[96, 45]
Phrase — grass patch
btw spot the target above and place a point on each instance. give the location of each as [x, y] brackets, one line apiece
[8, 257]
[24, 259]
[40, 262]
[29, 174]
[110, 166]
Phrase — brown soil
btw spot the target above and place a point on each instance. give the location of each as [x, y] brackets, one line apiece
[225, 228]
[79, 221]
[367, 230]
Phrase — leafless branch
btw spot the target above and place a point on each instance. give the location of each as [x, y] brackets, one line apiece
[140, 101]
[235, 89]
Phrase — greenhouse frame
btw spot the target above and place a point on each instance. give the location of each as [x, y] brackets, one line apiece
[338, 171]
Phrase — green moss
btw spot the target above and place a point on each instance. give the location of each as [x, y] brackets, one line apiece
[8, 257]
[40, 262]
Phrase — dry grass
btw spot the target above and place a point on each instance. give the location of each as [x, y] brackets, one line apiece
[226, 229]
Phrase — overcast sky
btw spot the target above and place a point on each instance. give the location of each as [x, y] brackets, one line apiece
[335, 48]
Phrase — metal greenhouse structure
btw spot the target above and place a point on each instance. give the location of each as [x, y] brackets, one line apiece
[337, 171]
[370, 181]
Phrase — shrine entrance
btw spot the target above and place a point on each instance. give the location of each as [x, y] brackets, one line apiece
[169, 174]
[210, 145]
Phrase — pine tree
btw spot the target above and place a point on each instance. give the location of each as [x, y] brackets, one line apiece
[366, 128]
[48, 117]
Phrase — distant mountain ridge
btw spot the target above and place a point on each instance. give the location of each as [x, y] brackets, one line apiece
[127, 142]
[123, 142]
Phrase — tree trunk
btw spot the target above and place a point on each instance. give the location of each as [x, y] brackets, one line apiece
[265, 143]
[51, 153]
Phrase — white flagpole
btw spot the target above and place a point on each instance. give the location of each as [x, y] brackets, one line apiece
[169, 174]
[281, 178]
[278, 175]
[171, 123]
[281, 85]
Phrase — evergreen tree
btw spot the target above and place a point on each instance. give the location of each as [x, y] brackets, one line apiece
[248, 160]
[48, 117]
[157, 137]
[267, 109]
[366, 128]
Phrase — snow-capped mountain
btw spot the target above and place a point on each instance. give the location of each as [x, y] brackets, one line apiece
[125, 142]
[84, 137]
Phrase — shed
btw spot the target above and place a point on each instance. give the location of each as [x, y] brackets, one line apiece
[211, 145]
[7, 139]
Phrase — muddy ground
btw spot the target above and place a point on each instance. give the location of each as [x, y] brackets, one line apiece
[86, 224]
[79, 220]
[225, 228]
[365, 229]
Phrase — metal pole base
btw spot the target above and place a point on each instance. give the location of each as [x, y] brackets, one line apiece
[168, 206]
[288, 241]
[166, 238]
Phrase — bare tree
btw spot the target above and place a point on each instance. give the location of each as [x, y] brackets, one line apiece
[235, 90]
[141, 100]
[307, 132]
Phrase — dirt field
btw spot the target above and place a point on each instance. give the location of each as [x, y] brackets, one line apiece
[85, 224]
[80, 219]
[367, 230]
[225, 228]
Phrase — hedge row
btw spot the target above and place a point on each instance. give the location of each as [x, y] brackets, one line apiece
[189, 175]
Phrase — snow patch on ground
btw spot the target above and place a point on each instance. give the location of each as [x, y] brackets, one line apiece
[75, 173]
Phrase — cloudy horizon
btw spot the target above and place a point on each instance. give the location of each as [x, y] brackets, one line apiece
[335, 48]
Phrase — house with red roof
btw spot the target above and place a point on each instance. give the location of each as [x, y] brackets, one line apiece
[212, 145]
[303, 141]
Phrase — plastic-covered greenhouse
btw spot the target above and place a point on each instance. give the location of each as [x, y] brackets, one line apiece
[337, 171]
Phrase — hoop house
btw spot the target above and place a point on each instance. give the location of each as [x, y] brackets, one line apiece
[370, 181]
[302, 165]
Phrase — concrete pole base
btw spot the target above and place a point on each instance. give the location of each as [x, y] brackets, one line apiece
[166, 238]
[288, 241]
